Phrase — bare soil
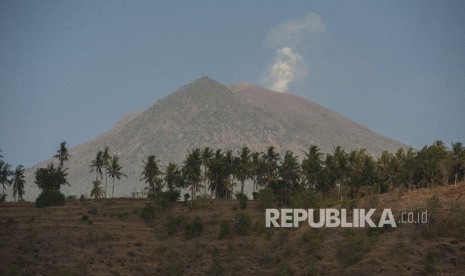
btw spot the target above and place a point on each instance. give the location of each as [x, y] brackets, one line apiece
[109, 237]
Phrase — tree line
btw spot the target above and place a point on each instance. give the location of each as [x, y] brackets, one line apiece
[10, 177]
[215, 172]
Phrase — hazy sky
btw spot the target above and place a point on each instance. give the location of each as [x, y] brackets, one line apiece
[70, 69]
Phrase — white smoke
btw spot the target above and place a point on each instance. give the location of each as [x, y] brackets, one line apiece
[288, 65]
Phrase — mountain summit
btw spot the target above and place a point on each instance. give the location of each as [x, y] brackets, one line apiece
[207, 113]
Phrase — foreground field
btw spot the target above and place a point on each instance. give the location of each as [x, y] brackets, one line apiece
[218, 237]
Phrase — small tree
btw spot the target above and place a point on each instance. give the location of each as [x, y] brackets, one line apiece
[151, 175]
[18, 182]
[115, 171]
[62, 154]
[97, 191]
[49, 180]
[5, 173]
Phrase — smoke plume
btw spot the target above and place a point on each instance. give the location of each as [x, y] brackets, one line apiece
[288, 64]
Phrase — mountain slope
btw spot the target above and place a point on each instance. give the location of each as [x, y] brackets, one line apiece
[208, 113]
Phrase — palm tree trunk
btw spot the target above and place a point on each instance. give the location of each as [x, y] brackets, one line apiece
[113, 189]
[105, 183]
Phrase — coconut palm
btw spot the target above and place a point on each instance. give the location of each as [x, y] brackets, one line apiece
[173, 177]
[244, 166]
[106, 164]
[18, 182]
[312, 166]
[271, 159]
[289, 174]
[219, 175]
[457, 161]
[151, 175]
[192, 171]
[5, 173]
[97, 191]
[115, 171]
[62, 154]
[97, 165]
[207, 154]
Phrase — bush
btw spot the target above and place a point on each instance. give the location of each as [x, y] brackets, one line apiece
[255, 195]
[434, 206]
[194, 229]
[224, 229]
[148, 213]
[243, 223]
[312, 240]
[267, 198]
[172, 224]
[353, 248]
[93, 211]
[50, 198]
[186, 197]
[303, 199]
[242, 200]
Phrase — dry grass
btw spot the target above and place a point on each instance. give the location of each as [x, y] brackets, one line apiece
[108, 237]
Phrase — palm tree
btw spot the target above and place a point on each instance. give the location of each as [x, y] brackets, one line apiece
[312, 165]
[115, 172]
[244, 166]
[18, 182]
[5, 173]
[207, 154]
[106, 163]
[62, 154]
[97, 191]
[271, 159]
[219, 175]
[289, 173]
[173, 177]
[341, 168]
[151, 175]
[97, 165]
[457, 160]
[192, 171]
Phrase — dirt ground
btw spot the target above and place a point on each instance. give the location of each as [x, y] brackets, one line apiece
[217, 237]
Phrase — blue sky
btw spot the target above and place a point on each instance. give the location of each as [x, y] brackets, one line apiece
[70, 69]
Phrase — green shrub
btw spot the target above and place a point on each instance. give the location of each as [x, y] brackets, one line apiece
[434, 207]
[312, 241]
[255, 196]
[303, 199]
[353, 248]
[50, 198]
[242, 200]
[194, 229]
[148, 213]
[224, 229]
[267, 198]
[431, 261]
[243, 223]
[173, 223]
[93, 211]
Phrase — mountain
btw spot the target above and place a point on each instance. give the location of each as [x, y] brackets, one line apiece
[208, 113]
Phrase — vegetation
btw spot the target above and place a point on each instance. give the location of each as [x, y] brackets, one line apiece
[284, 179]
[50, 180]
[5, 173]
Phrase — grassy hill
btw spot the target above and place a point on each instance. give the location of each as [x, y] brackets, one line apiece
[217, 237]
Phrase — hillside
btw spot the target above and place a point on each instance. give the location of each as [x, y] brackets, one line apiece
[208, 113]
[109, 237]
